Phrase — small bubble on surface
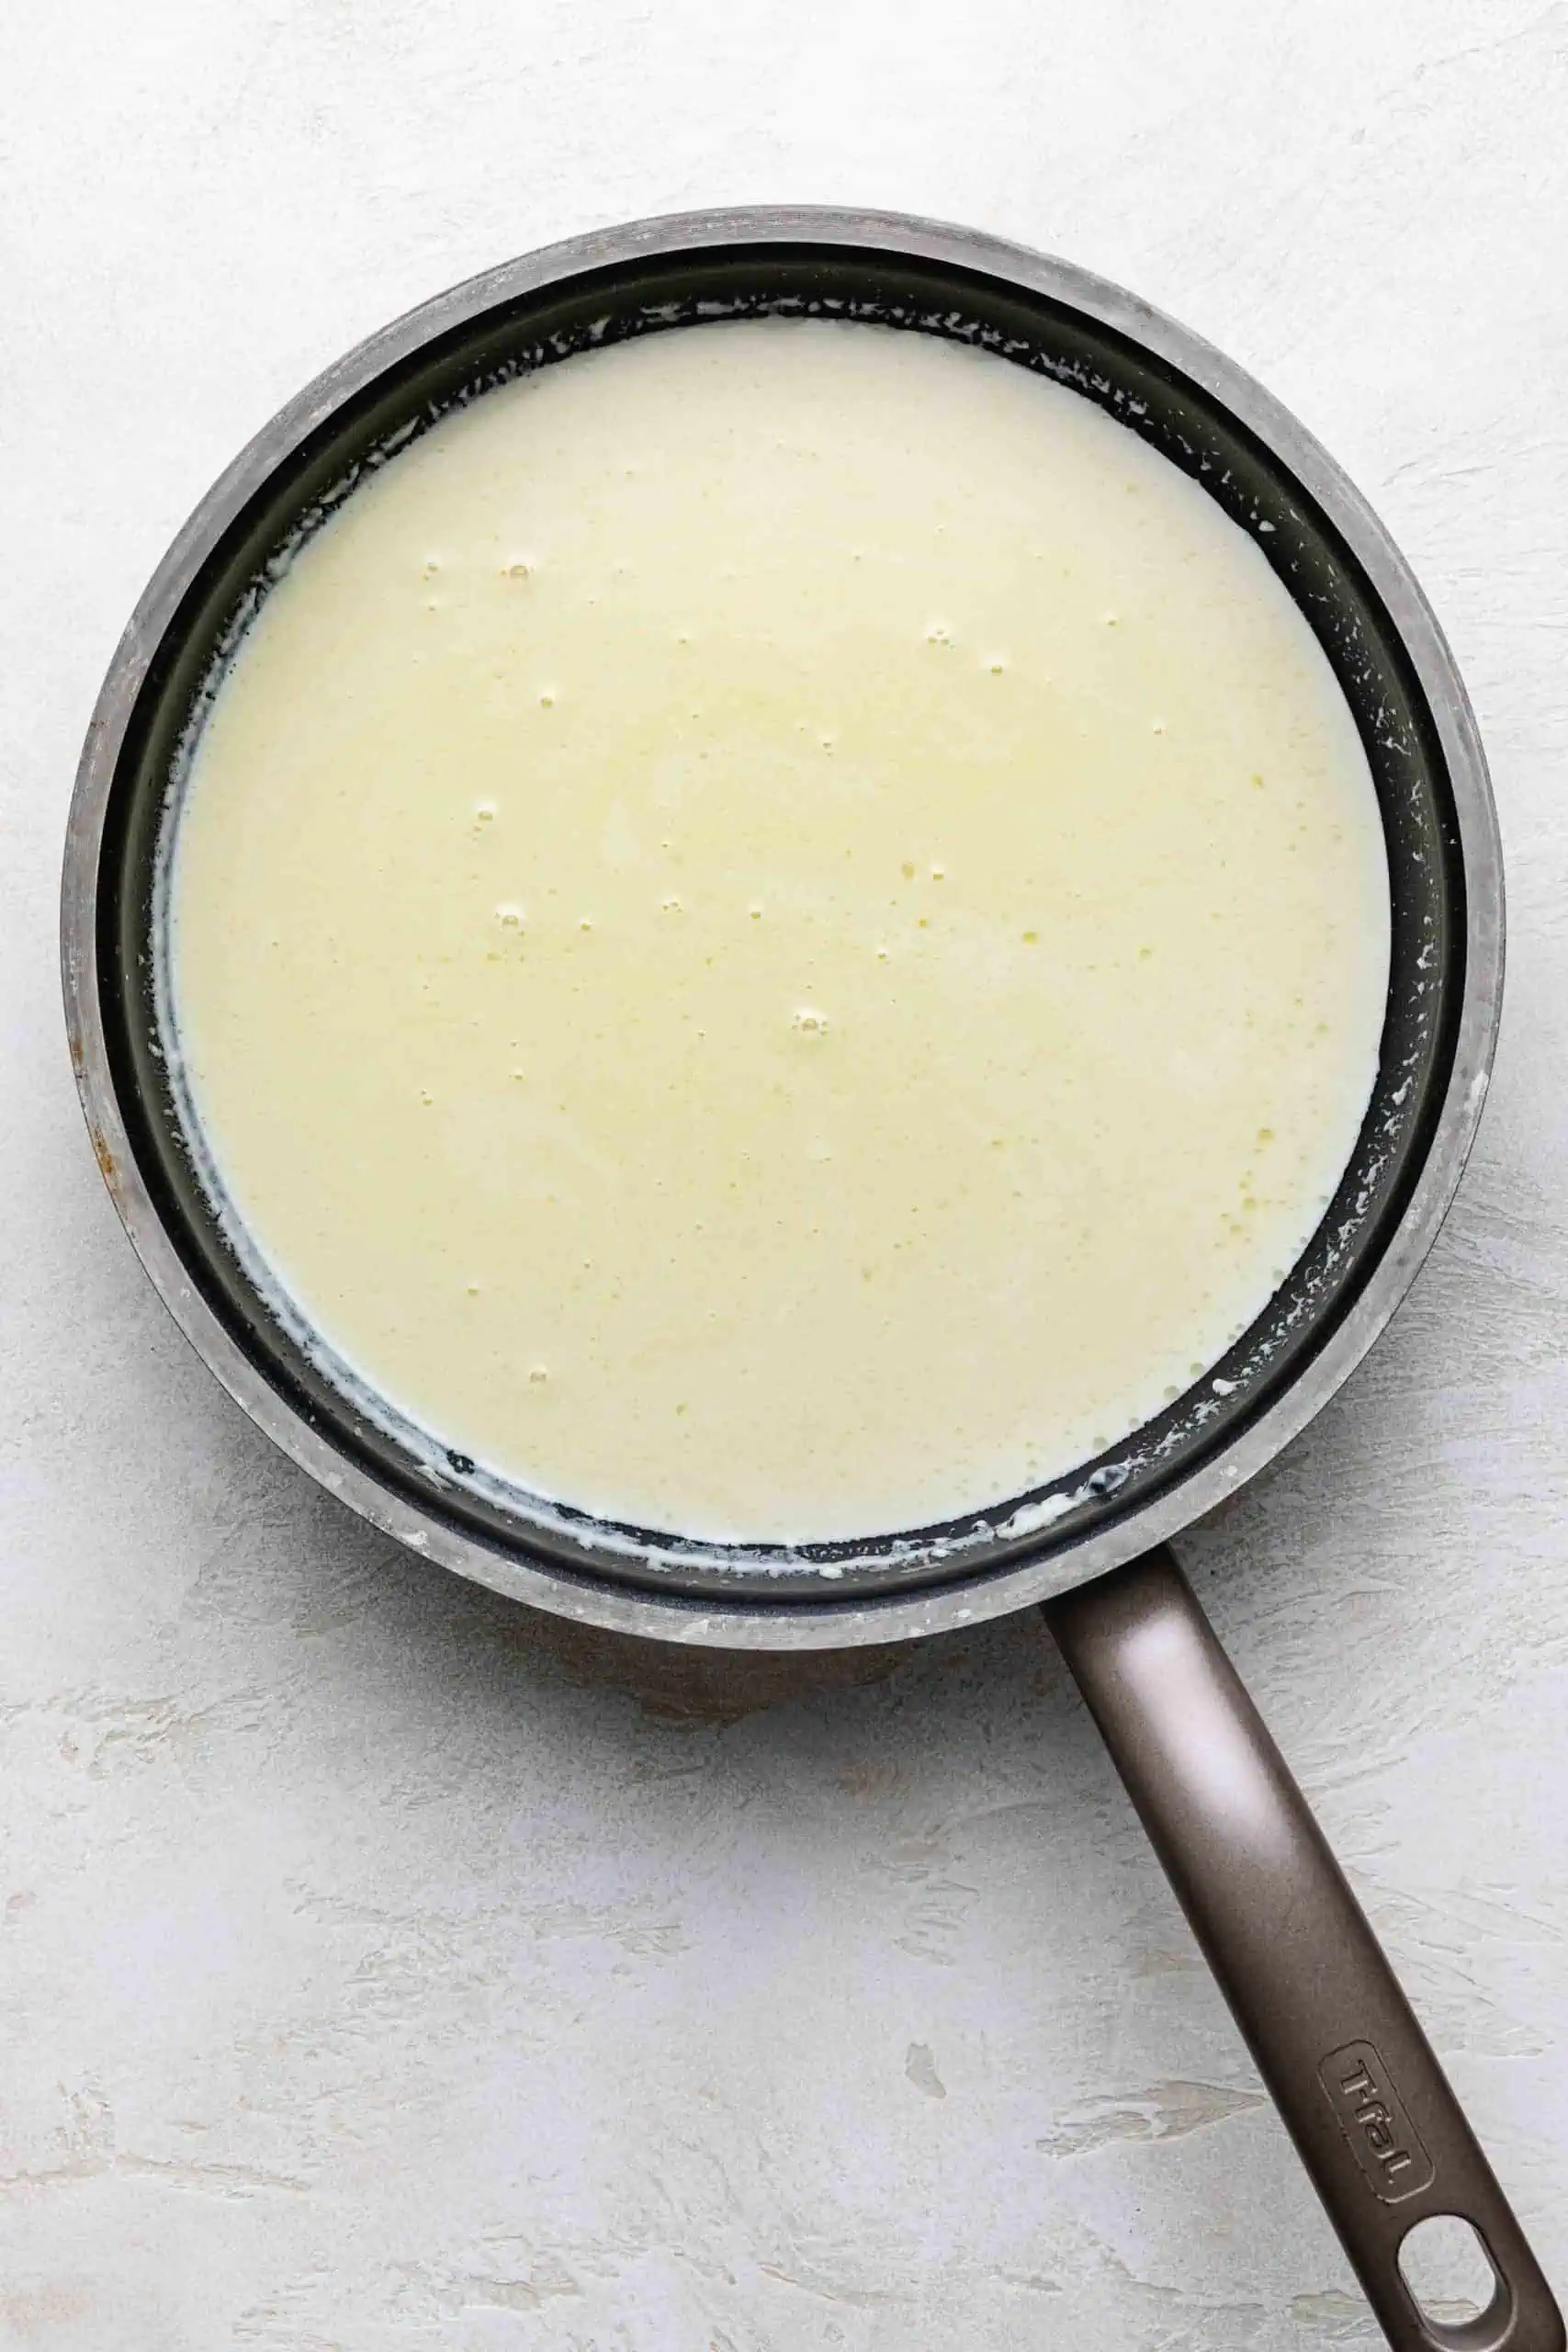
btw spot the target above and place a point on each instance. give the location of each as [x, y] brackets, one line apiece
[509, 915]
[809, 1022]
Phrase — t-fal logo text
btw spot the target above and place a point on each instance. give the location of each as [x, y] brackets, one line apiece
[1373, 2117]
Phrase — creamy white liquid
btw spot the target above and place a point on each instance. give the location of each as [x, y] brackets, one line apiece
[780, 932]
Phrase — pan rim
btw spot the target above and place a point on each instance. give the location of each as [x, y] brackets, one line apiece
[767, 1620]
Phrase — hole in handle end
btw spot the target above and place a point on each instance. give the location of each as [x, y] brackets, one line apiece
[1460, 2296]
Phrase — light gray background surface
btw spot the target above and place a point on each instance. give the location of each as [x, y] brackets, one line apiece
[381, 1971]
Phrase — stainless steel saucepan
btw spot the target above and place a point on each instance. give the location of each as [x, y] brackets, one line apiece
[1377, 2124]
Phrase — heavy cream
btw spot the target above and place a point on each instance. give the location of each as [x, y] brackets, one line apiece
[779, 932]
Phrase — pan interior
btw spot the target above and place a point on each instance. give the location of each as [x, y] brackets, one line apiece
[1362, 647]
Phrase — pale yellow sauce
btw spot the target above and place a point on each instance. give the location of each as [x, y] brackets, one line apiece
[780, 932]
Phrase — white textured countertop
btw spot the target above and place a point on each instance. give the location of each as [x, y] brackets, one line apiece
[381, 1972]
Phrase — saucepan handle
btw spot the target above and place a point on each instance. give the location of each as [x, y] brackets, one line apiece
[1378, 2127]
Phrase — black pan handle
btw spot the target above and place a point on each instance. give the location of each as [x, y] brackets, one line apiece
[1378, 2127]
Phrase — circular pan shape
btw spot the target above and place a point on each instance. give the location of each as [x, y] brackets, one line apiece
[1344, 573]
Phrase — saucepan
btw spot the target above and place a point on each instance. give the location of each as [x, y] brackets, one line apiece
[1360, 2088]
